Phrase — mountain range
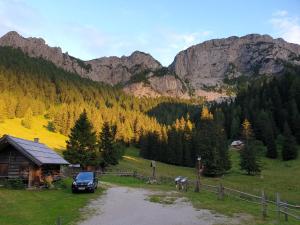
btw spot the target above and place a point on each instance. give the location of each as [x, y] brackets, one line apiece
[200, 70]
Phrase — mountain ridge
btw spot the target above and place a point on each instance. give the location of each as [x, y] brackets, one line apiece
[196, 71]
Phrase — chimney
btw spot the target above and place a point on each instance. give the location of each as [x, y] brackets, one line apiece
[36, 140]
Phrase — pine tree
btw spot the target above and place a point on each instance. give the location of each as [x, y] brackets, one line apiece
[81, 146]
[106, 144]
[3, 111]
[270, 143]
[234, 128]
[221, 141]
[289, 148]
[249, 161]
[27, 121]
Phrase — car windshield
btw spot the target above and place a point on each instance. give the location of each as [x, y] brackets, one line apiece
[85, 176]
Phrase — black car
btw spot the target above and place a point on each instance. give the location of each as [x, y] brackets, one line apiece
[85, 181]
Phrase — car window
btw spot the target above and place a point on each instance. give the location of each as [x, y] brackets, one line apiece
[84, 176]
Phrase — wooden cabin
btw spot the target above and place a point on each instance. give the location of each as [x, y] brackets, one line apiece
[31, 161]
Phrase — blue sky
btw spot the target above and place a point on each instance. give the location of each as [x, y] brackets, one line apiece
[91, 29]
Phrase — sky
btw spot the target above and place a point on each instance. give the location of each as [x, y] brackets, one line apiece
[89, 29]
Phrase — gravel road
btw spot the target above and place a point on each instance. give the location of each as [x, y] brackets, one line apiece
[129, 206]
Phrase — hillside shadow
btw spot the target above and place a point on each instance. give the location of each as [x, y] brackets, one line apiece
[168, 112]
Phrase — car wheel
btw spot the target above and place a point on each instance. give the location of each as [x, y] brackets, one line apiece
[92, 190]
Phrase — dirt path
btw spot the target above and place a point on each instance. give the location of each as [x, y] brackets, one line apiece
[131, 206]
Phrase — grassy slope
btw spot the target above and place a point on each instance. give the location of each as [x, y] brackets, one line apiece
[38, 129]
[20, 207]
[277, 176]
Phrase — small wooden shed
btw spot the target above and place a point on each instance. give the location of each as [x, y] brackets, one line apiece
[29, 160]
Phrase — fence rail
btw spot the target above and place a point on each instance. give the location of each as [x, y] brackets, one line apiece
[280, 207]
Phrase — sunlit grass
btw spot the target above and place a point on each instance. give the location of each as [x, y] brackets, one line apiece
[38, 129]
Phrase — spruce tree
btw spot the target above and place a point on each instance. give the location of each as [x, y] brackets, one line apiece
[248, 156]
[106, 144]
[221, 141]
[81, 146]
[270, 142]
[234, 128]
[289, 148]
[207, 145]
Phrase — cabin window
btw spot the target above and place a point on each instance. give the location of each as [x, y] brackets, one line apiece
[3, 169]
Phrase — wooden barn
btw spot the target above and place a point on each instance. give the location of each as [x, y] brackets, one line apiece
[31, 161]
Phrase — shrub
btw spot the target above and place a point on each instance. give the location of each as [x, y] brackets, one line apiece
[61, 184]
[15, 183]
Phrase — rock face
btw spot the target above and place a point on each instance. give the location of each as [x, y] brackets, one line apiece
[36, 47]
[115, 70]
[192, 71]
[166, 85]
[111, 70]
[208, 63]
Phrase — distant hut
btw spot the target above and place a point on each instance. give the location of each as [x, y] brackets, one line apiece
[237, 144]
[30, 161]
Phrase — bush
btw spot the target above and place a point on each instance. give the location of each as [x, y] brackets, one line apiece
[16, 183]
[61, 184]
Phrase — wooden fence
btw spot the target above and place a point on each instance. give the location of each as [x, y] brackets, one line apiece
[279, 207]
[267, 205]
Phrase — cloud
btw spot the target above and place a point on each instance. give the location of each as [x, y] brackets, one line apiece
[286, 26]
[280, 13]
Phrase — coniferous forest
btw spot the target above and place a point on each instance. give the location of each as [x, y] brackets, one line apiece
[165, 129]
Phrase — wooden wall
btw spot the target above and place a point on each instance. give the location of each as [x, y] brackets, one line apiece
[18, 165]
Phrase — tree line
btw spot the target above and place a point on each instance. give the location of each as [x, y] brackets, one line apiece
[272, 106]
[182, 142]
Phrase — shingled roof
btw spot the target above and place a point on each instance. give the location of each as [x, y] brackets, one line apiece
[39, 153]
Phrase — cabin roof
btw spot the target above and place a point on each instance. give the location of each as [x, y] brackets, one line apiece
[37, 152]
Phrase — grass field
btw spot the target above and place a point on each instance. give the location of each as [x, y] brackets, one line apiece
[23, 207]
[54, 140]
[276, 176]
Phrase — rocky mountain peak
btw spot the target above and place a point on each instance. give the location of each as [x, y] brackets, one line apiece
[138, 57]
[209, 63]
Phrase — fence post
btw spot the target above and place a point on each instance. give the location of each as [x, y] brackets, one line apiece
[58, 221]
[221, 192]
[285, 210]
[278, 207]
[263, 204]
